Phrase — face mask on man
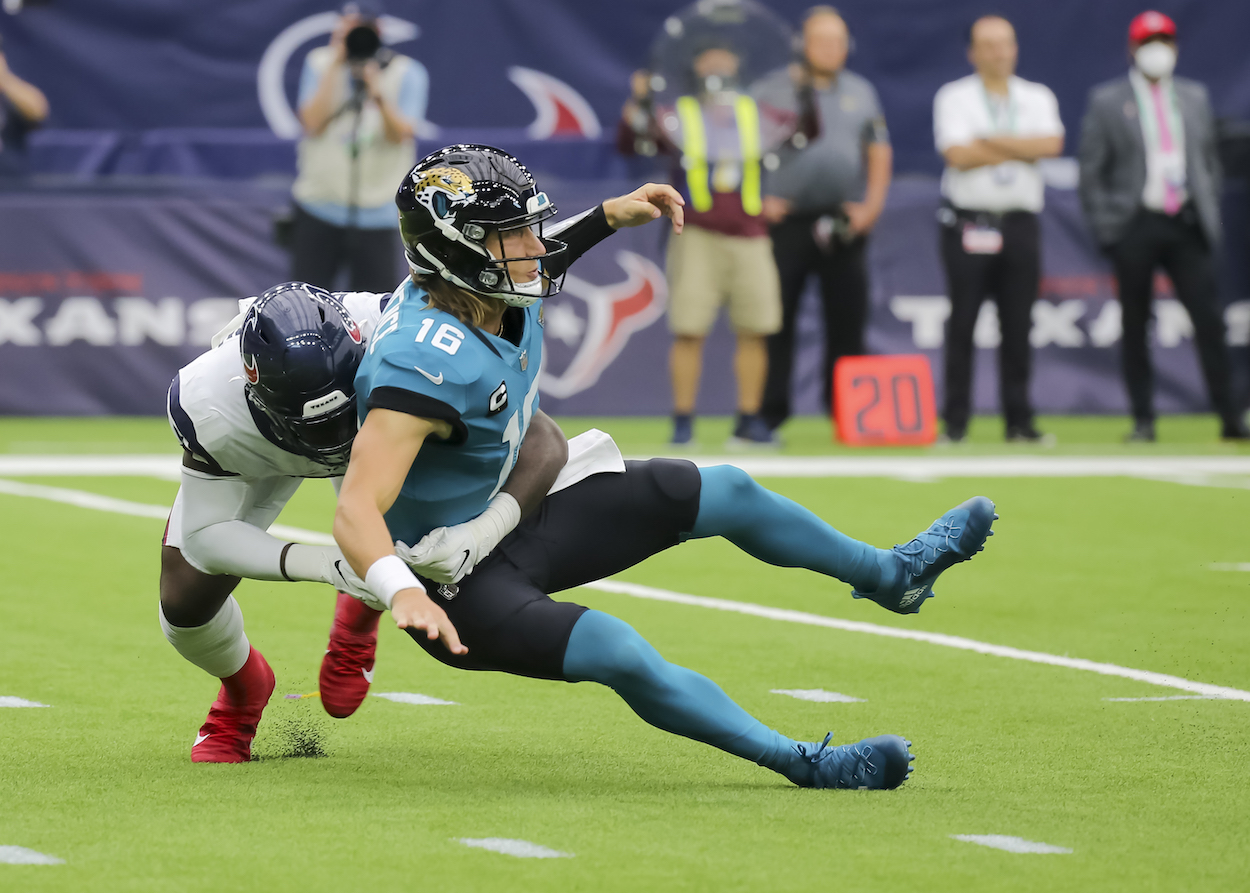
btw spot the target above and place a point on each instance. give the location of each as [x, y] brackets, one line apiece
[1155, 59]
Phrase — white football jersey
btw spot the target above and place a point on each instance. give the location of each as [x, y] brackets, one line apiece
[208, 409]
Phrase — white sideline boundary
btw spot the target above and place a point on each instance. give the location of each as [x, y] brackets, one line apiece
[890, 632]
[1197, 470]
[83, 499]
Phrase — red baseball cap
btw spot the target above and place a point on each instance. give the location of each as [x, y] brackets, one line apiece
[1150, 24]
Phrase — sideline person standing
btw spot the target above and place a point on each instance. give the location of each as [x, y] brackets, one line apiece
[723, 255]
[992, 127]
[823, 201]
[23, 107]
[359, 103]
[1150, 188]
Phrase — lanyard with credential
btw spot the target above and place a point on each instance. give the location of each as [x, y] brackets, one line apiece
[1003, 175]
[994, 115]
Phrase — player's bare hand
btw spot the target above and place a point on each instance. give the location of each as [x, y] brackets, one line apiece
[646, 203]
[412, 609]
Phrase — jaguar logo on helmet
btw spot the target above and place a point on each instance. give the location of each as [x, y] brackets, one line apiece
[442, 189]
[250, 369]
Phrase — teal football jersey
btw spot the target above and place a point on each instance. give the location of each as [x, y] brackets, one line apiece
[428, 363]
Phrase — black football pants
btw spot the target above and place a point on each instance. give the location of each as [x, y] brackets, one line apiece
[843, 277]
[319, 250]
[1011, 278]
[1177, 245]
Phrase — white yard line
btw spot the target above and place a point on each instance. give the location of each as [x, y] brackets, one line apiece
[1011, 844]
[1236, 566]
[20, 855]
[90, 500]
[522, 849]
[872, 629]
[819, 695]
[1182, 469]
[10, 701]
[408, 697]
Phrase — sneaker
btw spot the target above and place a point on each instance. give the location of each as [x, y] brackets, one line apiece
[226, 736]
[347, 668]
[752, 431]
[881, 763]
[1234, 430]
[1143, 432]
[1028, 434]
[683, 430]
[956, 536]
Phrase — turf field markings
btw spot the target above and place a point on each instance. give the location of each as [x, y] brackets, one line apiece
[86, 500]
[1011, 844]
[1169, 698]
[1232, 471]
[164, 466]
[91, 500]
[522, 849]
[407, 697]
[855, 626]
[1242, 566]
[9, 701]
[818, 694]
[20, 855]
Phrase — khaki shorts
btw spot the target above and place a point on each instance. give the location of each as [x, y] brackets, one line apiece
[708, 269]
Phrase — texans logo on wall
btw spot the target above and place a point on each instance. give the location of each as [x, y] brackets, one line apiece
[588, 325]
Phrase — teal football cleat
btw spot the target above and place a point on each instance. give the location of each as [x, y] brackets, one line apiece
[952, 538]
[880, 763]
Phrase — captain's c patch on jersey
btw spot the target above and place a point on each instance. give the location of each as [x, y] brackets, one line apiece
[498, 398]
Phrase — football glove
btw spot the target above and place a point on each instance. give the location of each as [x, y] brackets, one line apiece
[449, 554]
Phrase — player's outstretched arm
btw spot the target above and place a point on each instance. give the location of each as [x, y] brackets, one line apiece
[382, 454]
[214, 540]
[581, 233]
[449, 554]
[648, 202]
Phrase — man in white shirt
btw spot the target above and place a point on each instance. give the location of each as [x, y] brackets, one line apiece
[992, 127]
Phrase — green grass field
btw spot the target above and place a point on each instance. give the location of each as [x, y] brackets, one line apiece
[1148, 795]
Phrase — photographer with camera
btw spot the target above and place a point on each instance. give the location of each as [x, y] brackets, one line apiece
[359, 103]
[23, 107]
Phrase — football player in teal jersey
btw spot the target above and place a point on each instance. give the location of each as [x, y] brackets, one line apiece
[446, 392]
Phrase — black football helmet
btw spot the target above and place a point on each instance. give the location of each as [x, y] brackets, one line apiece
[457, 199]
[301, 349]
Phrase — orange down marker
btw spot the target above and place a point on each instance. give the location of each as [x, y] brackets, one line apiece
[884, 401]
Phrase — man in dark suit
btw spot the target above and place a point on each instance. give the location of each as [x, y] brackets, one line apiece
[1150, 187]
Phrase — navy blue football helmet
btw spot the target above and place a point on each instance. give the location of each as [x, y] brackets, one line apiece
[301, 349]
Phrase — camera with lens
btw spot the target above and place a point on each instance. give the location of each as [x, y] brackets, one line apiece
[362, 43]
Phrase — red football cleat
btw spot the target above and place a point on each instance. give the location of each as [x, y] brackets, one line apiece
[226, 736]
[347, 668]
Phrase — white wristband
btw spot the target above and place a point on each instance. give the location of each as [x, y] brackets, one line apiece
[387, 576]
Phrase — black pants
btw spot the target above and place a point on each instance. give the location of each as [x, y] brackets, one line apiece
[320, 249]
[593, 529]
[1011, 278]
[1178, 246]
[844, 304]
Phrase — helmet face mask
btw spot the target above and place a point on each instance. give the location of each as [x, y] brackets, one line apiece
[300, 351]
[457, 202]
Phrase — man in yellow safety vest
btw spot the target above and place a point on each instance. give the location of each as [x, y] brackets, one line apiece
[724, 256]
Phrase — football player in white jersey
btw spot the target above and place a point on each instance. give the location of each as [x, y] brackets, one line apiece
[270, 405]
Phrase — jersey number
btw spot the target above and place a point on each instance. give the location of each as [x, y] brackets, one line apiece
[447, 339]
